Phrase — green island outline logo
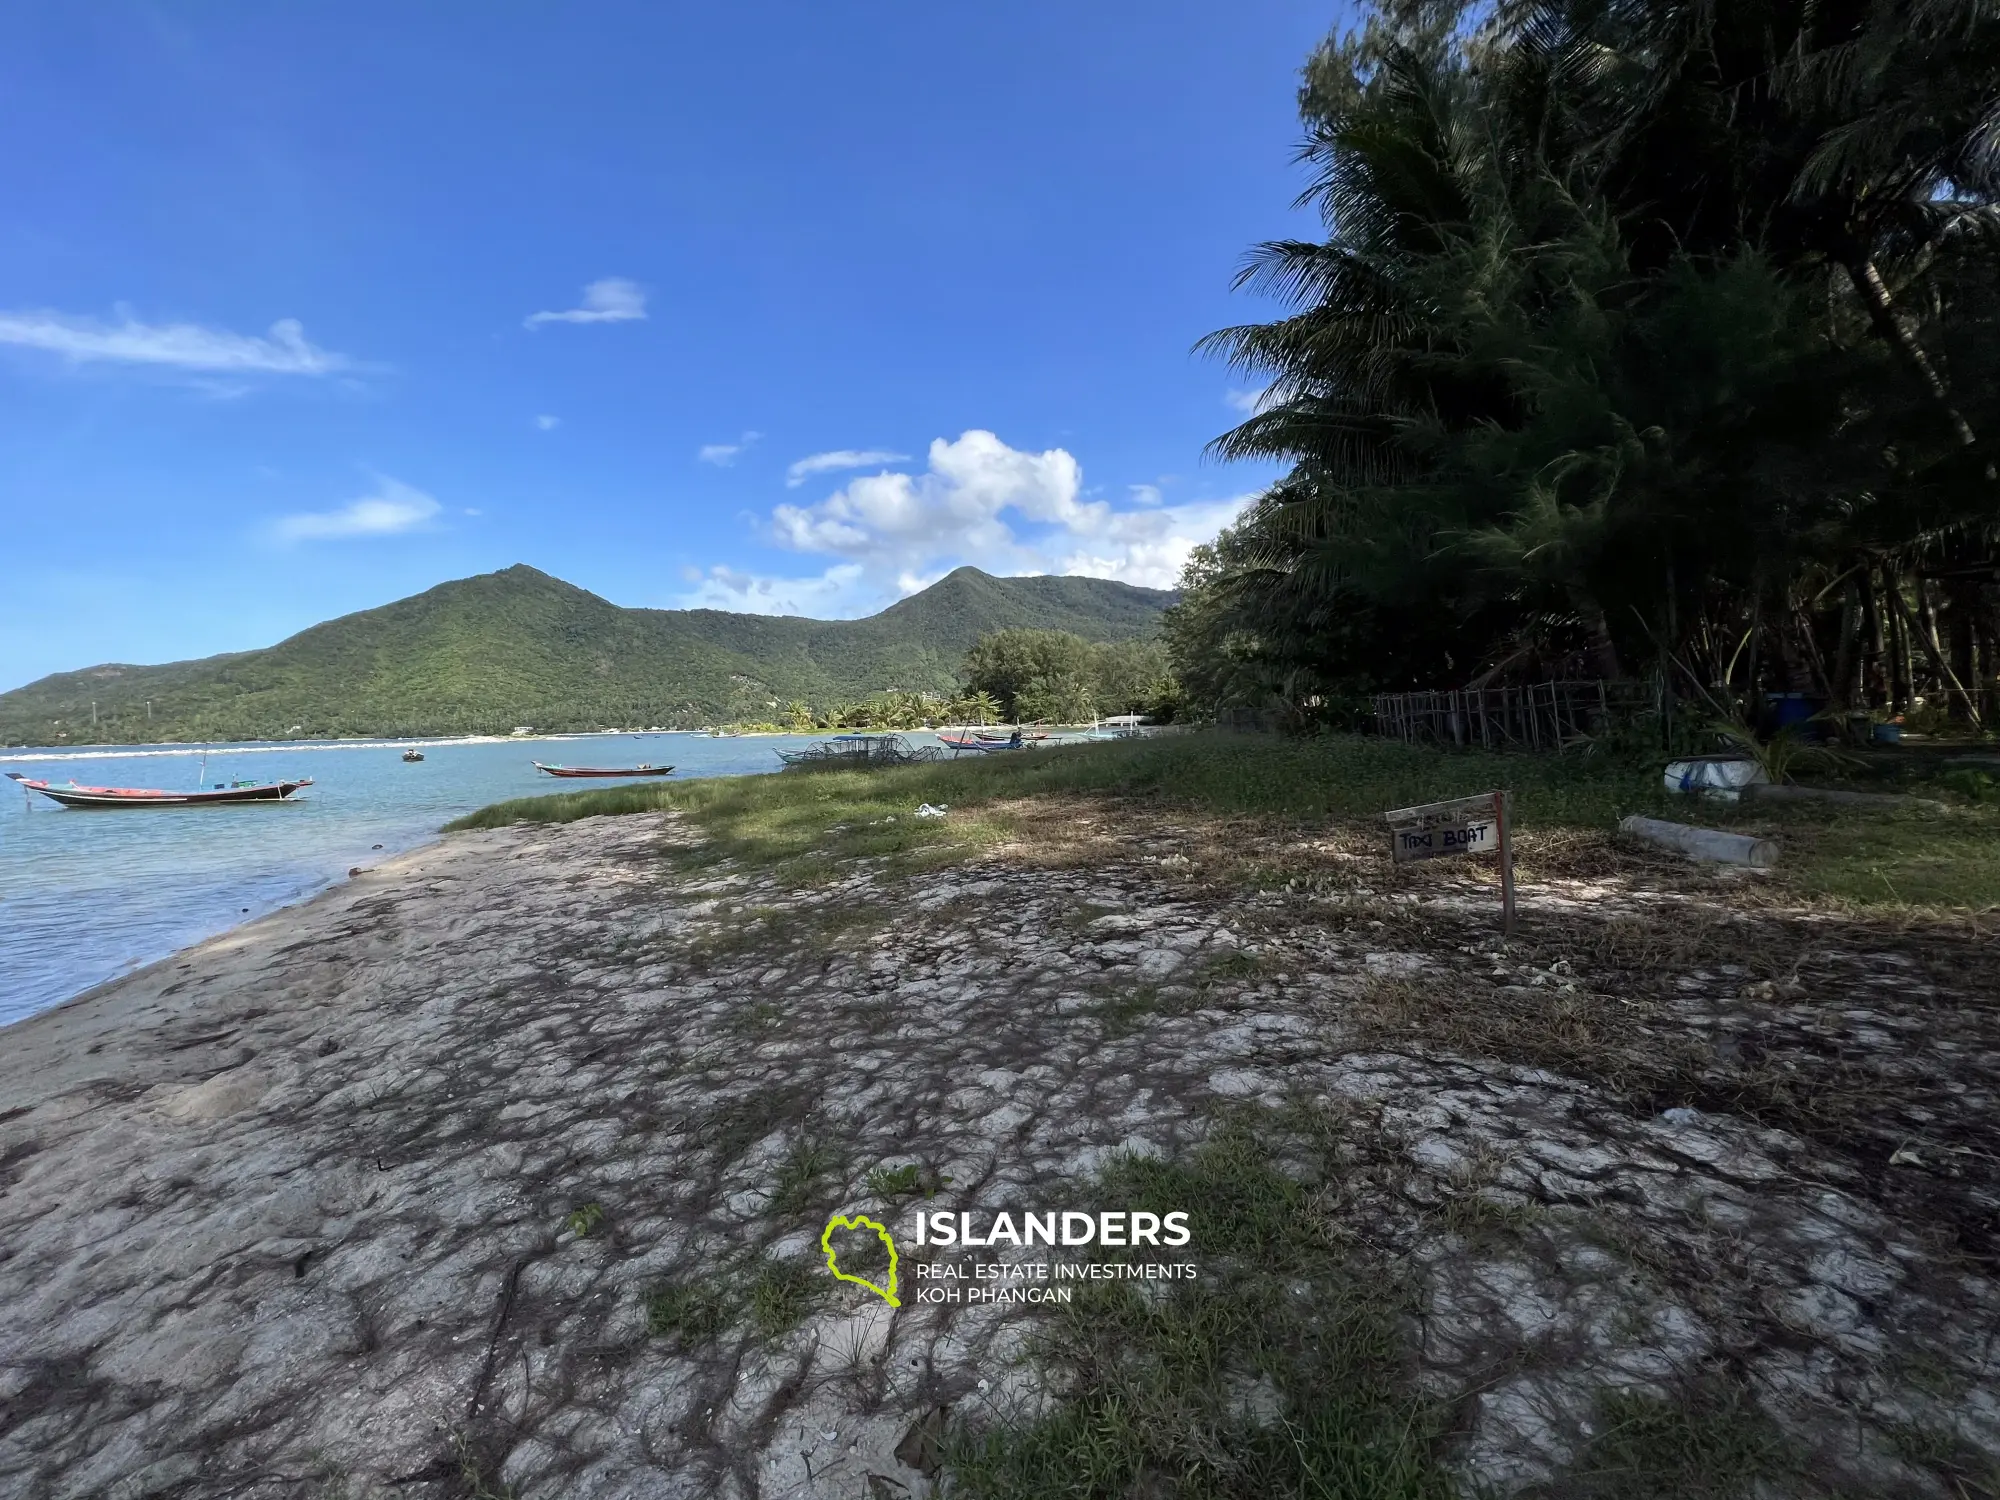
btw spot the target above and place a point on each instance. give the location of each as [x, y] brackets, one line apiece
[860, 1221]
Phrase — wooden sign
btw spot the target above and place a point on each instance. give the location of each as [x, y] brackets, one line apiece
[1466, 825]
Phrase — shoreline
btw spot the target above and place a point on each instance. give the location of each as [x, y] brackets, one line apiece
[97, 1014]
[427, 1176]
[278, 747]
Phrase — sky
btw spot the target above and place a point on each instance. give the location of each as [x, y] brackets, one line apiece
[769, 306]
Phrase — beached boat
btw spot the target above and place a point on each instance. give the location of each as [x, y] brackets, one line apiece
[984, 743]
[69, 794]
[646, 770]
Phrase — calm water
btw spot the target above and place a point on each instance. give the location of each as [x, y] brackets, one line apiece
[85, 896]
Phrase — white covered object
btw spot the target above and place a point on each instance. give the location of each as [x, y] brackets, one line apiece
[1714, 776]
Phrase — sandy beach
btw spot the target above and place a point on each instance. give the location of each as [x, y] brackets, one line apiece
[377, 1195]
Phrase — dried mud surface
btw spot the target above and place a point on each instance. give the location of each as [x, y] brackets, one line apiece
[290, 1214]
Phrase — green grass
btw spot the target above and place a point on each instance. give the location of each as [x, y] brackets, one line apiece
[783, 1294]
[802, 1176]
[694, 1312]
[1281, 1371]
[910, 1180]
[809, 823]
[1710, 1443]
[775, 1296]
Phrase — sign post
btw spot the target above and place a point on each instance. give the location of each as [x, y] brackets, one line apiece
[1466, 825]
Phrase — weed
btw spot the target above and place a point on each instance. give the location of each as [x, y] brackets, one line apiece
[695, 1312]
[472, 1471]
[1565, 808]
[759, 1015]
[1278, 1371]
[801, 1175]
[1949, 1456]
[907, 1181]
[1125, 1010]
[783, 1294]
[583, 1220]
[1708, 1443]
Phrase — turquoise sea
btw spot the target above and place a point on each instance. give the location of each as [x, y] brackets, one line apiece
[86, 896]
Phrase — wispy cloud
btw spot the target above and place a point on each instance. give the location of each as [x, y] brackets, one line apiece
[1250, 403]
[612, 300]
[978, 501]
[838, 459]
[181, 346]
[547, 423]
[392, 509]
[722, 455]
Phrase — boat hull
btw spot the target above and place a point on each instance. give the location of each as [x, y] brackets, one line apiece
[103, 797]
[588, 771]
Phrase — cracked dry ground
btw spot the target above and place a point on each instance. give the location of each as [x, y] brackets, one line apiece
[289, 1214]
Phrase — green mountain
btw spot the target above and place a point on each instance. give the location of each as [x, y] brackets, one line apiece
[481, 655]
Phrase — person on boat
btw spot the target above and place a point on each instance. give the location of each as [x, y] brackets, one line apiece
[1014, 739]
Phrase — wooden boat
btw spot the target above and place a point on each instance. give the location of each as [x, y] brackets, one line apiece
[413, 755]
[69, 794]
[646, 770]
[986, 744]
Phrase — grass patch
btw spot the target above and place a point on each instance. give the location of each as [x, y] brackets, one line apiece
[696, 1313]
[1280, 1371]
[774, 1296]
[1128, 1008]
[911, 1180]
[802, 1176]
[783, 1294]
[1711, 1443]
[1864, 856]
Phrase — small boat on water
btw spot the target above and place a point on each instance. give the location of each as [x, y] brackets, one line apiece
[413, 755]
[646, 770]
[69, 794]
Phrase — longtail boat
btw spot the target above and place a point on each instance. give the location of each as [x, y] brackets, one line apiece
[645, 770]
[69, 794]
[985, 744]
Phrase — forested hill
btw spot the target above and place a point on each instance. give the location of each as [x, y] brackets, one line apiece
[481, 655]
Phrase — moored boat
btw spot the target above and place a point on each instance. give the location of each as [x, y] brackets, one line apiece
[69, 794]
[645, 770]
[413, 755]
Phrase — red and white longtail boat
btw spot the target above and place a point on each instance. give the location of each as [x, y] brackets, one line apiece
[648, 770]
[69, 794]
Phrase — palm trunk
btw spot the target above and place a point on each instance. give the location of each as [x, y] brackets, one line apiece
[1935, 652]
[1879, 690]
[1847, 660]
[1874, 294]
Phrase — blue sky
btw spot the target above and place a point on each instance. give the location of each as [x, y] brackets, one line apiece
[793, 307]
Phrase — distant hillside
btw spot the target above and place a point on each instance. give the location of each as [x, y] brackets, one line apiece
[483, 654]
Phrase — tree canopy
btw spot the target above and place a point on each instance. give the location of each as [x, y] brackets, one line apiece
[1645, 335]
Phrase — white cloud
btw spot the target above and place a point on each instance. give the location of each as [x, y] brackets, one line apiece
[547, 423]
[1145, 494]
[391, 510]
[181, 346]
[751, 593]
[722, 455]
[612, 300]
[1250, 403]
[979, 502]
[840, 458]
